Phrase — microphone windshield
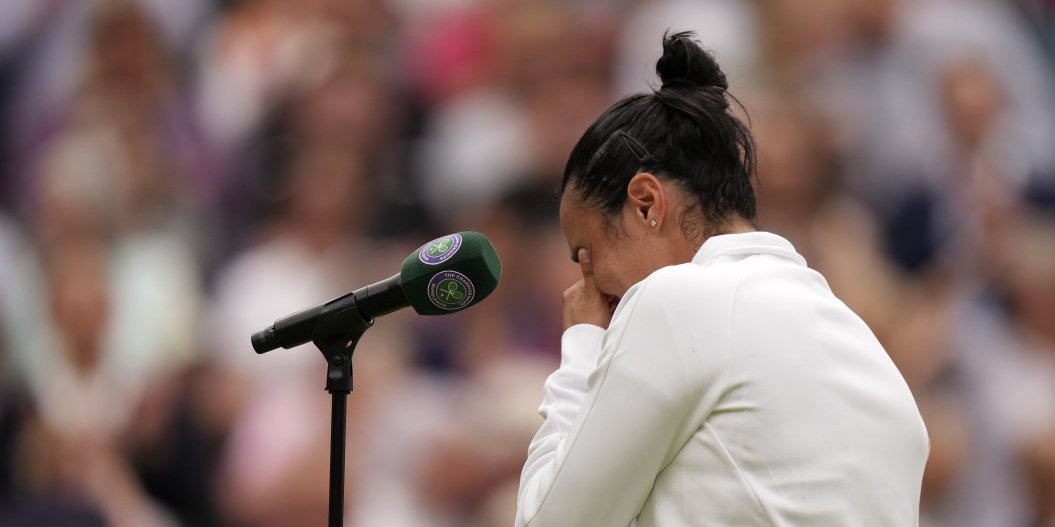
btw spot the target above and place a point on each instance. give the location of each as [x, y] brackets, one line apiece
[450, 273]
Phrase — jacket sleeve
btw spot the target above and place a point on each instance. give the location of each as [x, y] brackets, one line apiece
[616, 412]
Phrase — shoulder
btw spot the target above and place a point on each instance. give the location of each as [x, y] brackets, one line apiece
[690, 300]
[675, 327]
[688, 285]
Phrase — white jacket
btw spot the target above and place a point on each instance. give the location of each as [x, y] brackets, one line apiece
[735, 390]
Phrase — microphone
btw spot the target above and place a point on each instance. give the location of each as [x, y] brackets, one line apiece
[446, 275]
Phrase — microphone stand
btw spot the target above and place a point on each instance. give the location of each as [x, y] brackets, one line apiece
[336, 336]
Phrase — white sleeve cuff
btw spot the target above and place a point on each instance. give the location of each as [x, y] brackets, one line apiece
[580, 346]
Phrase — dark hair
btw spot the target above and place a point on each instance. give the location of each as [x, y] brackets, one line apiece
[683, 132]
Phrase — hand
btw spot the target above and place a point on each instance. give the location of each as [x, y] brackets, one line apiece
[583, 302]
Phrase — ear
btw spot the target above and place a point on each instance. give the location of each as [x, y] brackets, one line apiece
[646, 201]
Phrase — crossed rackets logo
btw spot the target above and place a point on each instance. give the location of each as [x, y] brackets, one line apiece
[439, 247]
[440, 250]
[451, 291]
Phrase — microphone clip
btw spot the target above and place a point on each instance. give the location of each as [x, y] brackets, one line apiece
[336, 334]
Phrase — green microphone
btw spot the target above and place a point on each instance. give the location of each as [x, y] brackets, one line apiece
[446, 275]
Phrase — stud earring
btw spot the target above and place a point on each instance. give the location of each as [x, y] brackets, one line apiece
[652, 223]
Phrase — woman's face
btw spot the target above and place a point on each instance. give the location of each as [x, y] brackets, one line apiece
[622, 251]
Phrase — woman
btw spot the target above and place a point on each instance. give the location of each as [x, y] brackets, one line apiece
[708, 376]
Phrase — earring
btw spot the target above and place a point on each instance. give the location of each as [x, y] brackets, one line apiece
[652, 223]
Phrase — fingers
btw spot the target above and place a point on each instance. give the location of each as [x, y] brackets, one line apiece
[583, 301]
[583, 304]
[586, 266]
[571, 292]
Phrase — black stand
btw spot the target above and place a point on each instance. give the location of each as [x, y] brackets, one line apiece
[336, 337]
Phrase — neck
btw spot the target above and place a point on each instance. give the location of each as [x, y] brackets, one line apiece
[735, 226]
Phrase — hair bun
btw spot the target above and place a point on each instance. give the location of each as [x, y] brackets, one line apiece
[685, 63]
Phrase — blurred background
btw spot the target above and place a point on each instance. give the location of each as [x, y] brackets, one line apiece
[176, 174]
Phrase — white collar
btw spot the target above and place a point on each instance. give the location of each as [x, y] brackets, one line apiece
[755, 242]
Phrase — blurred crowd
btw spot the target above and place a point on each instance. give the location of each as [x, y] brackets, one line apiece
[177, 174]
